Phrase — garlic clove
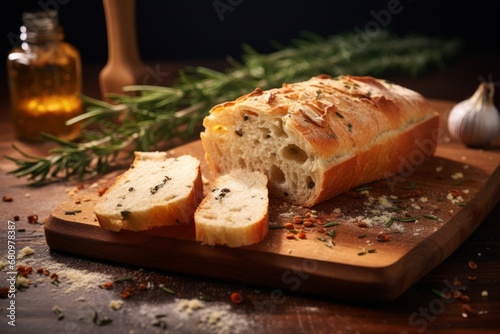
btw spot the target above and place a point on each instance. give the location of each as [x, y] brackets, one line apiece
[475, 122]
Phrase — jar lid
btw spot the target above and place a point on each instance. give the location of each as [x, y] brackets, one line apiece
[44, 21]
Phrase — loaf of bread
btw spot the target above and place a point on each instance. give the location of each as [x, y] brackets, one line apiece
[235, 212]
[319, 138]
[155, 191]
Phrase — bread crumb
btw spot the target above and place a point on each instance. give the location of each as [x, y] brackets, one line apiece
[484, 293]
[25, 252]
[2, 265]
[189, 305]
[22, 282]
[439, 168]
[457, 175]
[115, 304]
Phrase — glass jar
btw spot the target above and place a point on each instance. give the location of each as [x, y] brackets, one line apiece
[44, 75]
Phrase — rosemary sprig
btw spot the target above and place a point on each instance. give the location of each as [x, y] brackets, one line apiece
[146, 118]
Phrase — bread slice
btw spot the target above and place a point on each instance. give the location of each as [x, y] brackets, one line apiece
[155, 191]
[235, 212]
[321, 137]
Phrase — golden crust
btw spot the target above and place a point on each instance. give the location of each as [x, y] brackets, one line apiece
[356, 129]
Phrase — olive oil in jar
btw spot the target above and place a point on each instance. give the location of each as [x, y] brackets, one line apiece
[44, 80]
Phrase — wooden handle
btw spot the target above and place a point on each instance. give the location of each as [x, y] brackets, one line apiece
[124, 66]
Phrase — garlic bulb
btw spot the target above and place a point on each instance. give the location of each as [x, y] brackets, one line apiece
[475, 121]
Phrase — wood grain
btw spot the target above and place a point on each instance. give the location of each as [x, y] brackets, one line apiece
[308, 265]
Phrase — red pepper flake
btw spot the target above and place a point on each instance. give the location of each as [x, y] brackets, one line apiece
[54, 277]
[298, 219]
[80, 186]
[142, 287]
[289, 235]
[382, 237]
[39, 270]
[236, 298]
[457, 294]
[467, 310]
[32, 219]
[7, 199]
[24, 271]
[46, 272]
[107, 285]
[289, 226]
[455, 193]
[472, 278]
[301, 235]
[16, 218]
[78, 201]
[362, 224]
[457, 283]
[101, 191]
[308, 223]
[4, 292]
[472, 265]
[465, 298]
[127, 293]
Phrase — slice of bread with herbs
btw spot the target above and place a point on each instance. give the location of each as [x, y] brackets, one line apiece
[235, 212]
[155, 191]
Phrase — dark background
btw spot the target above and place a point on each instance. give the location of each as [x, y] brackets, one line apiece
[173, 30]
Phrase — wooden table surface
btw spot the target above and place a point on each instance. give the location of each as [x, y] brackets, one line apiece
[167, 302]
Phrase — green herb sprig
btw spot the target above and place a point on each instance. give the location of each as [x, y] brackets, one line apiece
[147, 118]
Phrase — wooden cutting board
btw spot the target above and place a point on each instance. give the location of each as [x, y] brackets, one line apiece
[355, 254]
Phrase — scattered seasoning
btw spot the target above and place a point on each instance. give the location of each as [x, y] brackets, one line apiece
[159, 322]
[467, 310]
[100, 321]
[124, 279]
[58, 312]
[102, 191]
[382, 237]
[290, 235]
[72, 212]
[361, 236]
[236, 298]
[331, 234]
[472, 265]
[239, 132]
[7, 199]
[329, 224]
[327, 241]
[108, 285]
[4, 292]
[170, 291]
[127, 293]
[339, 114]
[431, 216]
[17, 218]
[411, 185]
[277, 227]
[439, 293]
[289, 226]
[364, 188]
[32, 219]
[301, 235]
[131, 189]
